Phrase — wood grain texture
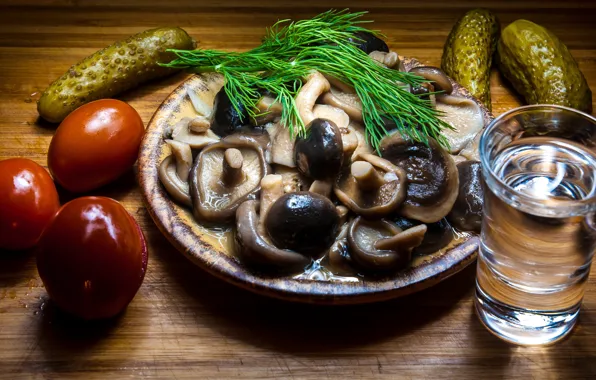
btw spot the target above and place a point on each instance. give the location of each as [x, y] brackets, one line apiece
[186, 324]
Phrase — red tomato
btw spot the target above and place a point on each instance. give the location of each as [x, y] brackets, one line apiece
[28, 200]
[92, 257]
[95, 144]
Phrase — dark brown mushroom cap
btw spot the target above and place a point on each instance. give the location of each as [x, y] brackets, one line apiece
[381, 246]
[440, 80]
[214, 199]
[252, 246]
[377, 201]
[467, 210]
[177, 189]
[438, 235]
[433, 181]
[319, 154]
[303, 222]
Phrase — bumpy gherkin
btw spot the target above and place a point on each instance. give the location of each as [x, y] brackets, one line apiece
[540, 67]
[468, 52]
[112, 70]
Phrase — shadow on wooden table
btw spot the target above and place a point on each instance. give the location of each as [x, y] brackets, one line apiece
[301, 328]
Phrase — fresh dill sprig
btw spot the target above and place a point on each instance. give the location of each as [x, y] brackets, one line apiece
[290, 51]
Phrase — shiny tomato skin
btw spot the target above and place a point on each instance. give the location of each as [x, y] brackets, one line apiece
[28, 200]
[95, 144]
[92, 258]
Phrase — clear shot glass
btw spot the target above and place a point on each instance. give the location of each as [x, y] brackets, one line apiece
[539, 227]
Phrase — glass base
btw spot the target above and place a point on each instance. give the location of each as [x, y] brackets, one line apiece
[523, 327]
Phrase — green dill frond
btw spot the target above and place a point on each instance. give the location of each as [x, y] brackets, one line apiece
[291, 50]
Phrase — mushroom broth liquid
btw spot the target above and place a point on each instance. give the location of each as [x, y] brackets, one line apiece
[532, 267]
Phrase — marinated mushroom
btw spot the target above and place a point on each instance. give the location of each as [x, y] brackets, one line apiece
[438, 235]
[224, 175]
[339, 85]
[372, 186]
[338, 257]
[292, 179]
[380, 246]
[315, 85]
[228, 117]
[441, 81]
[368, 42]
[390, 59]
[348, 102]
[471, 150]
[464, 115]
[467, 210]
[182, 133]
[432, 179]
[334, 114]
[303, 222]
[268, 110]
[282, 145]
[174, 172]
[319, 154]
[253, 246]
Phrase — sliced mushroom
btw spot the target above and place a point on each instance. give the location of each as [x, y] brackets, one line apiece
[253, 245]
[441, 81]
[177, 189]
[315, 85]
[319, 154]
[387, 59]
[282, 145]
[371, 186]
[348, 102]
[466, 214]
[438, 235]
[381, 246]
[464, 115]
[268, 110]
[181, 132]
[433, 181]
[303, 222]
[224, 175]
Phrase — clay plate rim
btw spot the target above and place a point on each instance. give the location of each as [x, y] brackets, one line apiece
[169, 218]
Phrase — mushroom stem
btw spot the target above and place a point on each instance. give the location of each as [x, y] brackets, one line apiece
[366, 175]
[199, 124]
[271, 190]
[342, 211]
[321, 187]
[183, 155]
[408, 239]
[232, 172]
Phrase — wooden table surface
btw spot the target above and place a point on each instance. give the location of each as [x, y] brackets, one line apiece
[184, 323]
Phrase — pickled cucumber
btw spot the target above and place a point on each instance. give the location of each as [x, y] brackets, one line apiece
[468, 52]
[540, 67]
[112, 70]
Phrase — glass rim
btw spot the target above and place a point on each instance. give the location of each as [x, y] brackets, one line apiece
[554, 206]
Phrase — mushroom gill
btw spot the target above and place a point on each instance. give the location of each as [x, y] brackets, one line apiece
[433, 182]
[174, 172]
[371, 186]
[224, 175]
[464, 115]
